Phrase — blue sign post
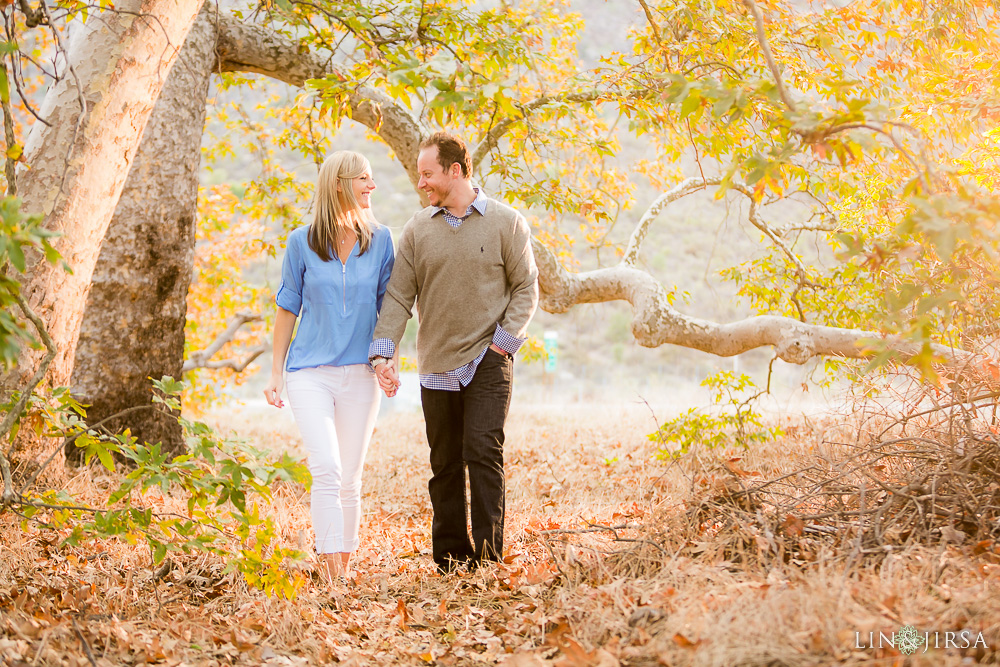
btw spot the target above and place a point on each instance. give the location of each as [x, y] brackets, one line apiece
[551, 344]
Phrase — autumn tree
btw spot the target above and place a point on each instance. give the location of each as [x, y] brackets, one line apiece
[112, 370]
[133, 325]
[775, 103]
[78, 153]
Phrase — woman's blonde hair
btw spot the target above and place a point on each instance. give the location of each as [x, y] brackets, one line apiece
[337, 212]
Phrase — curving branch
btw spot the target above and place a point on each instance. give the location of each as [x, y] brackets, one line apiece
[683, 188]
[690, 185]
[237, 366]
[774, 236]
[244, 47]
[765, 47]
[203, 358]
[655, 322]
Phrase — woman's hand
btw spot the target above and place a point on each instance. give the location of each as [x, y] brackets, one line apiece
[388, 376]
[272, 391]
[387, 379]
[284, 322]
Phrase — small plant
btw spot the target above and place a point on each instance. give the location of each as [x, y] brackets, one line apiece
[732, 420]
[19, 235]
[223, 482]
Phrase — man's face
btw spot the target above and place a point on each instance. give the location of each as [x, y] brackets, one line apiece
[434, 180]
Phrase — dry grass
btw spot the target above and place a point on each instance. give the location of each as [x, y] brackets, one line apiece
[677, 585]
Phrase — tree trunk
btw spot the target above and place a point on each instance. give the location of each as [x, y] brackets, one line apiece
[79, 161]
[133, 326]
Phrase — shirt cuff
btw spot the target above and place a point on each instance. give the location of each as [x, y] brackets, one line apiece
[381, 347]
[506, 342]
[288, 299]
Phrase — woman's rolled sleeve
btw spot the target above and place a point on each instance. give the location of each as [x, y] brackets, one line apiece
[289, 294]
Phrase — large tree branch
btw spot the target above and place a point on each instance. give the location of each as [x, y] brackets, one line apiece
[244, 47]
[235, 365]
[655, 322]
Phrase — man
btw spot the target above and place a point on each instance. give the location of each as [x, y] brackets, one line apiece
[466, 260]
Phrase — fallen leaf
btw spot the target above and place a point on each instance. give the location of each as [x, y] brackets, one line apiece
[684, 642]
[793, 525]
[403, 616]
[523, 660]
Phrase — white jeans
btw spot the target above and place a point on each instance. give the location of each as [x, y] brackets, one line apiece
[335, 408]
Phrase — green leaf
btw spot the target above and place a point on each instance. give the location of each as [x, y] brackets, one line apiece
[106, 458]
[159, 552]
[4, 85]
[691, 103]
[724, 104]
[16, 256]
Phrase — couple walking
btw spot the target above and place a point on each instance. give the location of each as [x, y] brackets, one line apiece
[465, 261]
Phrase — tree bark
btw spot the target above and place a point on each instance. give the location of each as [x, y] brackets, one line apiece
[118, 62]
[133, 326]
[655, 322]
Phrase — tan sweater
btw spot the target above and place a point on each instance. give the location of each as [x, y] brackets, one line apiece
[464, 281]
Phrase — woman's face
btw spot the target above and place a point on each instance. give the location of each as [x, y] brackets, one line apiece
[363, 186]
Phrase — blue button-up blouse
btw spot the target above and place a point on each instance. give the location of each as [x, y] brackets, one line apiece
[337, 302]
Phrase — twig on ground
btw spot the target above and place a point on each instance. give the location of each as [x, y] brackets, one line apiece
[83, 640]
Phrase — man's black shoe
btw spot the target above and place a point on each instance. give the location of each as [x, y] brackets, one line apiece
[452, 565]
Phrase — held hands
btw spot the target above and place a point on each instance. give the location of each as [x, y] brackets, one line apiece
[272, 391]
[388, 376]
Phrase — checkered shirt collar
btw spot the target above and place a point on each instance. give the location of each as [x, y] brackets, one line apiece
[479, 204]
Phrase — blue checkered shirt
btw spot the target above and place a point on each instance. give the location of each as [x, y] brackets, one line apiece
[460, 377]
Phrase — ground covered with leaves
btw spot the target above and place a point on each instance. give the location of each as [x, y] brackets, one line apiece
[614, 556]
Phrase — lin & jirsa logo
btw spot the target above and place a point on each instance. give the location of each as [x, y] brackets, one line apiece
[907, 640]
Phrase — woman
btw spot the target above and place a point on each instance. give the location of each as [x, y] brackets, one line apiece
[334, 273]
